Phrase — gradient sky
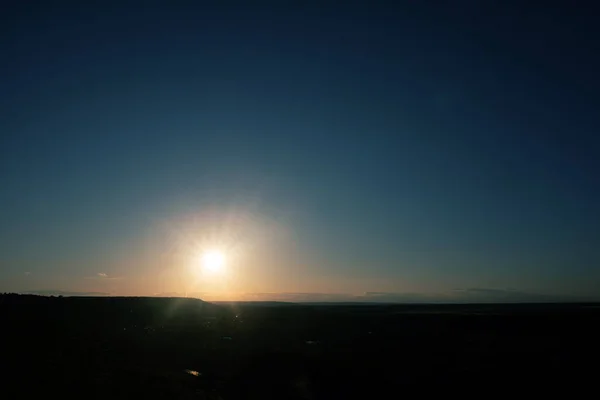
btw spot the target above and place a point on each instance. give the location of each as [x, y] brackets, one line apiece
[397, 150]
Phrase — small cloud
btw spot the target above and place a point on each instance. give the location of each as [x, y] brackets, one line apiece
[102, 275]
[27, 273]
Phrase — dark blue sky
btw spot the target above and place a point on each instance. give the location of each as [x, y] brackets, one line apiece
[403, 147]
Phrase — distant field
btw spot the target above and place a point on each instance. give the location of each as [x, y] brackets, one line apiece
[186, 348]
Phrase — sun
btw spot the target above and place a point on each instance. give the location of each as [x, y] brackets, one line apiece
[213, 262]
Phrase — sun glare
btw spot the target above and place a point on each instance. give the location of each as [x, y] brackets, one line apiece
[213, 262]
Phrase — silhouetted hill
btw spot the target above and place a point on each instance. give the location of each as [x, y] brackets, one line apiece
[121, 312]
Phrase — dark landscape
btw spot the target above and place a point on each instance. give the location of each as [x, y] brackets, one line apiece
[341, 163]
[127, 347]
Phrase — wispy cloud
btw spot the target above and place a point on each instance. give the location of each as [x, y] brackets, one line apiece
[65, 293]
[176, 294]
[299, 297]
[468, 295]
[104, 276]
[402, 297]
[458, 296]
[27, 273]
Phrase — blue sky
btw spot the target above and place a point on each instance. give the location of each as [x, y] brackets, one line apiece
[414, 147]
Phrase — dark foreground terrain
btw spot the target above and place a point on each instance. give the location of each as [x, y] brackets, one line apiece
[158, 348]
